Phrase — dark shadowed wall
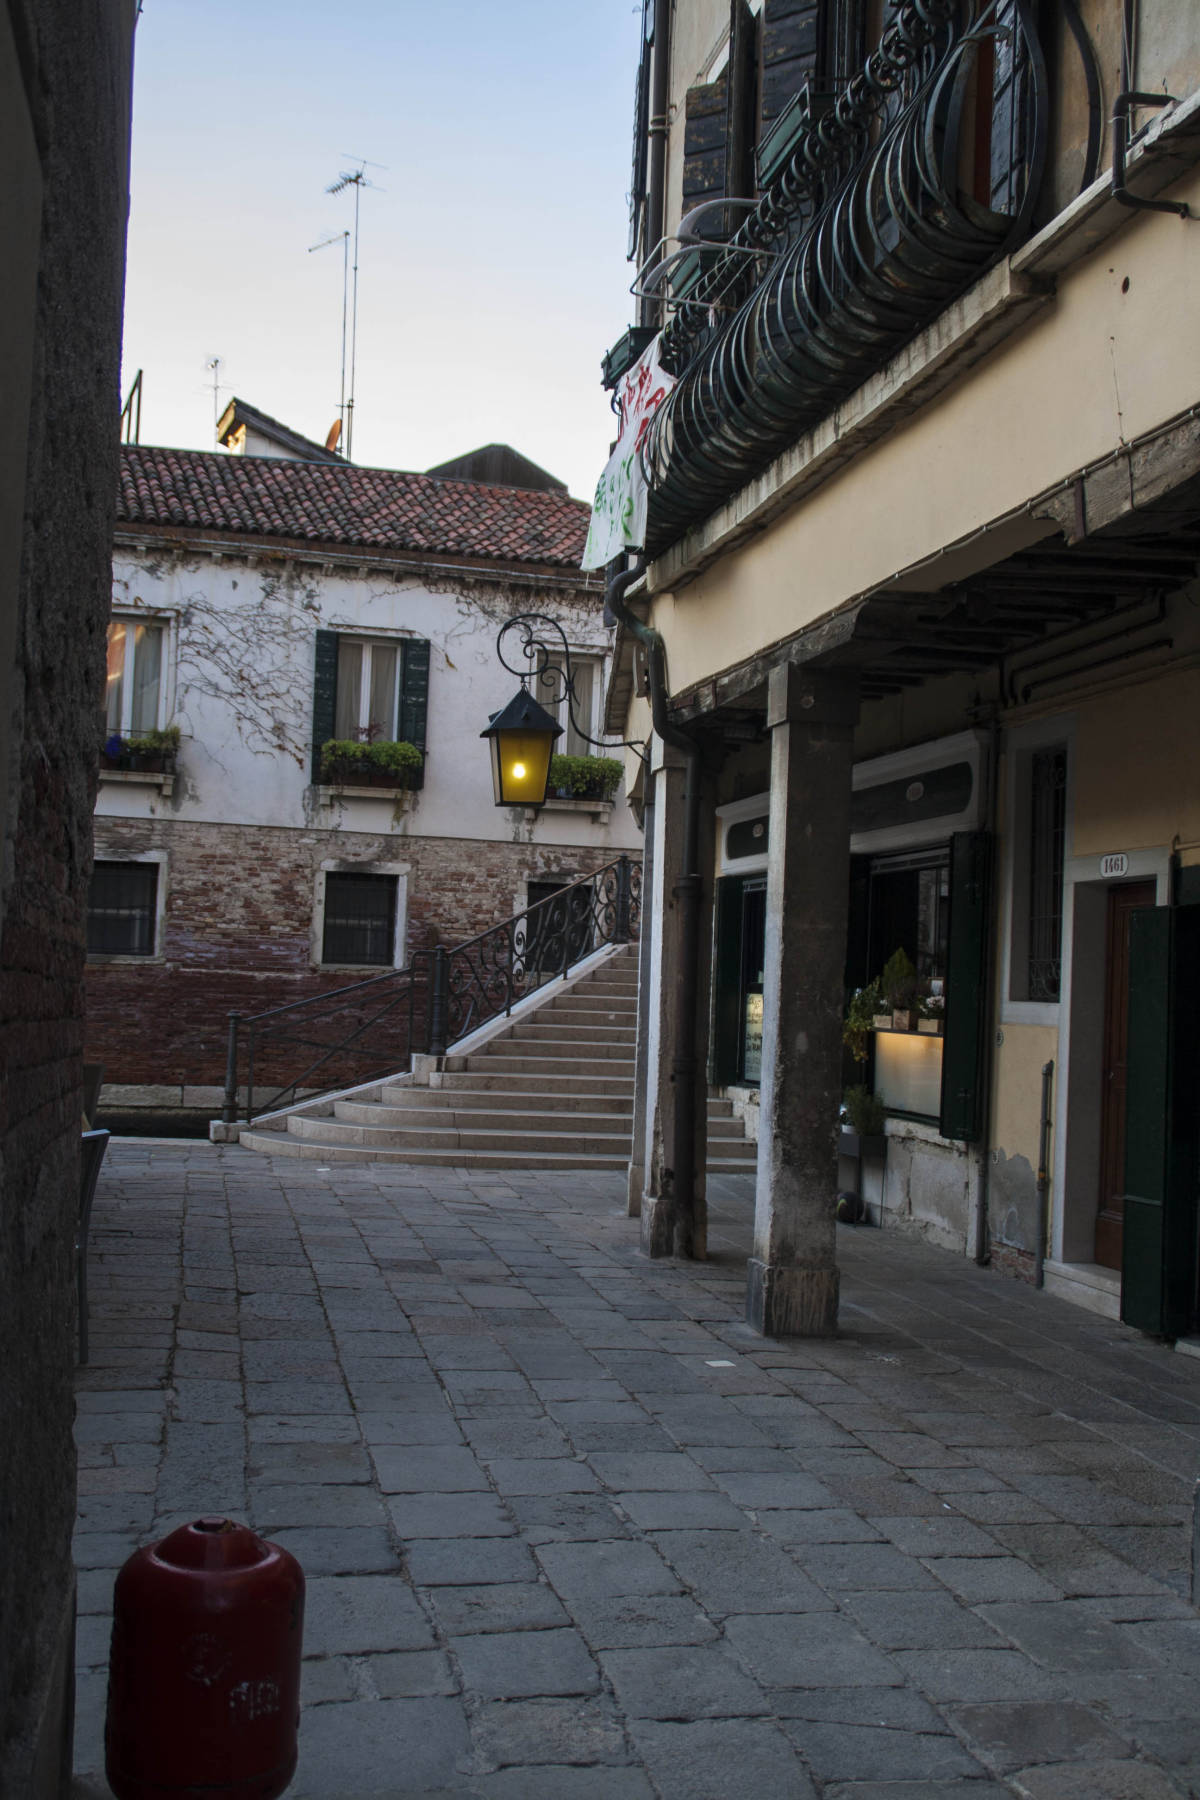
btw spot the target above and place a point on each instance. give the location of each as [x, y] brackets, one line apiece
[65, 71]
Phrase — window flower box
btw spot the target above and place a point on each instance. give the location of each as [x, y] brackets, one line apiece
[393, 766]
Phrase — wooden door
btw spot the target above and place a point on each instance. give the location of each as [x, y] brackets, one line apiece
[1110, 1212]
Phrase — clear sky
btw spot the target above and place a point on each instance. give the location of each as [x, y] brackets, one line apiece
[491, 275]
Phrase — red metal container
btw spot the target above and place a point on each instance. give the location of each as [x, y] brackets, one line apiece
[204, 1670]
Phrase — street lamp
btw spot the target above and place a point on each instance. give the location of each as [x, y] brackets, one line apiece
[523, 732]
[522, 738]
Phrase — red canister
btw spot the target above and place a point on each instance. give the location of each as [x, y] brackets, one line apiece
[204, 1669]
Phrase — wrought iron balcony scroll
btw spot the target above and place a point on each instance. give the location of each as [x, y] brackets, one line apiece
[486, 977]
[865, 235]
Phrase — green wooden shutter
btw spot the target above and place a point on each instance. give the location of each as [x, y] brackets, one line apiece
[1162, 1133]
[324, 707]
[967, 976]
[414, 691]
[727, 981]
[789, 52]
[705, 112]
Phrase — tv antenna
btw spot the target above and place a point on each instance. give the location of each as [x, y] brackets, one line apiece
[357, 179]
[213, 365]
[342, 238]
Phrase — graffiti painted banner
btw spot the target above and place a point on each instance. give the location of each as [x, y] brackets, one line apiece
[619, 509]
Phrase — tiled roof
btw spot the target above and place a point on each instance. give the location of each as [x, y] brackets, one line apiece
[375, 509]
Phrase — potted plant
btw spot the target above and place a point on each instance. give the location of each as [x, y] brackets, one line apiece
[861, 1016]
[584, 777]
[899, 984]
[931, 1010]
[151, 751]
[864, 1115]
[386, 763]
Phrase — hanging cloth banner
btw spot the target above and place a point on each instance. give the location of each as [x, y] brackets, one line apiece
[619, 509]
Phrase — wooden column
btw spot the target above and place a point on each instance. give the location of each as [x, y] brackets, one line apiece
[792, 1277]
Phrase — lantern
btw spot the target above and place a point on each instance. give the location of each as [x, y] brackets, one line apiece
[522, 738]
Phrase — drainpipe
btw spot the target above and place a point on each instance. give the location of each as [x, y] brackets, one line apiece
[686, 893]
[656, 161]
[983, 1251]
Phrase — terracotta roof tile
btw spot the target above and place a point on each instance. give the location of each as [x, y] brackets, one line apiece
[376, 509]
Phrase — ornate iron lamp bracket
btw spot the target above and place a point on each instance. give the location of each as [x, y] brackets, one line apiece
[545, 661]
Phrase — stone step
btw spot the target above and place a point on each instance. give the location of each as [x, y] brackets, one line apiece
[587, 1037]
[578, 1081]
[550, 1067]
[337, 1131]
[409, 1099]
[562, 1014]
[282, 1144]
[481, 1118]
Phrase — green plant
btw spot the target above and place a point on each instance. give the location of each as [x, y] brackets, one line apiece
[865, 1111]
[164, 742]
[865, 1002]
[586, 775]
[158, 743]
[899, 981]
[342, 758]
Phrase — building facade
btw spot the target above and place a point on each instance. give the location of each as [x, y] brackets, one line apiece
[919, 578]
[294, 795]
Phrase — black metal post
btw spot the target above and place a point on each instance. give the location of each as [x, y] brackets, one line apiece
[624, 931]
[229, 1110]
[439, 1002]
[1043, 1176]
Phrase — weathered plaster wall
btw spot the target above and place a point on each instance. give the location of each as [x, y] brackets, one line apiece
[1137, 757]
[73, 65]
[239, 675]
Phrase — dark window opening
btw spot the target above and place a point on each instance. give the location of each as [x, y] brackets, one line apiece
[1047, 830]
[754, 936]
[122, 905]
[360, 919]
[909, 910]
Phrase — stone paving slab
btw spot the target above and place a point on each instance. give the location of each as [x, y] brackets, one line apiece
[572, 1532]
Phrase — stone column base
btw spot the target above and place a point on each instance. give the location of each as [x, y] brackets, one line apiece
[786, 1300]
[658, 1224]
[633, 1193]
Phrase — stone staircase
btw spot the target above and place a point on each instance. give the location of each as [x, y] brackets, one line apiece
[551, 1088]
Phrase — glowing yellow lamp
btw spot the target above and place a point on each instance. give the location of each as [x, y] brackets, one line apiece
[522, 739]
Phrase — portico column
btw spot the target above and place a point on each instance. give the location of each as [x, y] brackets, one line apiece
[792, 1277]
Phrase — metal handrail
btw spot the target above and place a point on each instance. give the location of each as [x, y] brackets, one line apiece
[439, 997]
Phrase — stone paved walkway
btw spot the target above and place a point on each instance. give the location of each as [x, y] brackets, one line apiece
[572, 1534]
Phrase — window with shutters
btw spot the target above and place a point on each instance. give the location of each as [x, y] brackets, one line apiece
[123, 910]
[1039, 774]
[369, 692]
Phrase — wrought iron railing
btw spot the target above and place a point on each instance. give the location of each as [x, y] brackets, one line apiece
[355, 1034]
[869, 230]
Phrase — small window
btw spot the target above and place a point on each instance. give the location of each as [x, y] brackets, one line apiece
[368, 690]
[135, 677]
[360, 919]
[1047, 829]
[122, 907]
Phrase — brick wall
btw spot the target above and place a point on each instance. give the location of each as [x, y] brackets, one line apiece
[65, 73]
[237, 933]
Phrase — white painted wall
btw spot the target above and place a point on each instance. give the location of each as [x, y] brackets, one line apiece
[238, 680]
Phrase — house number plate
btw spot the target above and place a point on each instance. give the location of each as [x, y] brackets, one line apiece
[1114, 865]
